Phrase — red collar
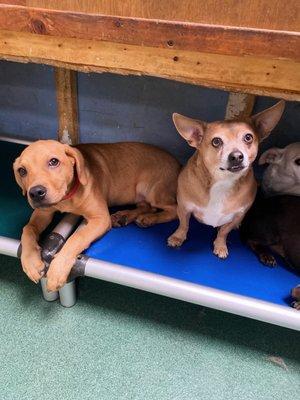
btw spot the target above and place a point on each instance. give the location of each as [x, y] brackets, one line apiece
[73, 189]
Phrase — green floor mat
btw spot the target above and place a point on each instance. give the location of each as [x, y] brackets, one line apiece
[14, 210]
[117, 343]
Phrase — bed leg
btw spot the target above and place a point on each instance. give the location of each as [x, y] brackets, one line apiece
[48, 296]
[68, 295]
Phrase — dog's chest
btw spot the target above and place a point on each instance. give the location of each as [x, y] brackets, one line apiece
[213, 213]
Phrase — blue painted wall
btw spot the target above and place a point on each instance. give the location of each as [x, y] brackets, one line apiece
[116, 108]
[27, 101]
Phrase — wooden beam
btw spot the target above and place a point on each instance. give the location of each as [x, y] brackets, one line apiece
[205, 38]
[262, 14]
[67, 105]
[239, 106]
[257, 75]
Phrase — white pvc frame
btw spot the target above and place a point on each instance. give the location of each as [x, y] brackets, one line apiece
[181, 290]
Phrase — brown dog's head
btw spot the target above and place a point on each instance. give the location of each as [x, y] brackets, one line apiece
[46, 170]
[228, 148]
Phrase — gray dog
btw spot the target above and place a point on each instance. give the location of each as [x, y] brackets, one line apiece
[282, 176]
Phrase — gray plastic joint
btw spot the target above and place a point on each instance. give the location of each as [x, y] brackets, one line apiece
[78, 268]
[51, 245]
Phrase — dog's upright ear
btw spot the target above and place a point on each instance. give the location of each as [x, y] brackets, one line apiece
[17, 175]
[271, 156]
[192, 130]
[78, 162]
[265, 121]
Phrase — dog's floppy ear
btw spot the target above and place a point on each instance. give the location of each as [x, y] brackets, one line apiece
[17, 175]
[78, 162]
[190, 129]
[266, 120]
[271, 156]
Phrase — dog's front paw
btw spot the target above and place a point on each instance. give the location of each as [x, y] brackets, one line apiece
[221, 251]
[296, 305]
[268, 259]
[33, 267]
[57, 274]
[175, 241]
[296, 295]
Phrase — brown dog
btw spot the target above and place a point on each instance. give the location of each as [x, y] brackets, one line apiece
[86, 180]
[217, 185]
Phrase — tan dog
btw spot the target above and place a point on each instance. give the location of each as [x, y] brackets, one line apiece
[217, 185]
[86, 180]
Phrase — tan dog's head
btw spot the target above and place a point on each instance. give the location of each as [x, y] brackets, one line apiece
[46, 170]
[228, 148]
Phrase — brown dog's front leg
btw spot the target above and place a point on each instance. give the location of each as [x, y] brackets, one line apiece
[179, 236]
[31, 261]
[220, 246]
[61, 265]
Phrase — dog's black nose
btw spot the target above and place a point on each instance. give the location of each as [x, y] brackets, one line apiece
[236, 157]
[37, 193]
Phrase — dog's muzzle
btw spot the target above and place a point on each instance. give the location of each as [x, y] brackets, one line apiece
[37, 196]
[235, 161]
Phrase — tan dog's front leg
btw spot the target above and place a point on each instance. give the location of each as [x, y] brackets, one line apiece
[179, 236]
[63, 262]
[31, 261]
[220, 246]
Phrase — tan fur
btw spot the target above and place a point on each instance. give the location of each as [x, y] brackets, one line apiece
[207, 188]
[109, 175]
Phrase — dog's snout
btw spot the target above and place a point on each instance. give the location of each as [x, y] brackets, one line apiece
[236, 157]
[37, 193]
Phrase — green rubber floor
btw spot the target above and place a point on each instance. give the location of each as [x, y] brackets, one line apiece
[119, 343]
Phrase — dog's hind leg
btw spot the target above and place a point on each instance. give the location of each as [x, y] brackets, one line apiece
[167, 214]
[125, 217]
[162, 197]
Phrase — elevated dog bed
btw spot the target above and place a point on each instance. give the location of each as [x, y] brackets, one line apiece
[140, 258]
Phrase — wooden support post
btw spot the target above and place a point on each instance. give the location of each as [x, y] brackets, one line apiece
[239, 105]
[67, 105]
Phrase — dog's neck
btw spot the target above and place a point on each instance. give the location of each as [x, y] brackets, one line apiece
[73, 187]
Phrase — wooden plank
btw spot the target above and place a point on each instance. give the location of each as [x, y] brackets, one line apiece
[169, 35]
[262, 14]
[14, 2]
[67, 105]
[247, 74]
[239, 106]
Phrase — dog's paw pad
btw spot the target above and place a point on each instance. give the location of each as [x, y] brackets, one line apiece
[175, 241]
[221, 252]
[268, 259]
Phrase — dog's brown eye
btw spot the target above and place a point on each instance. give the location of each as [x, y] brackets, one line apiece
[297, 161]
[22, 172]
[248, 138]
[217, 142]
[54, 162]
